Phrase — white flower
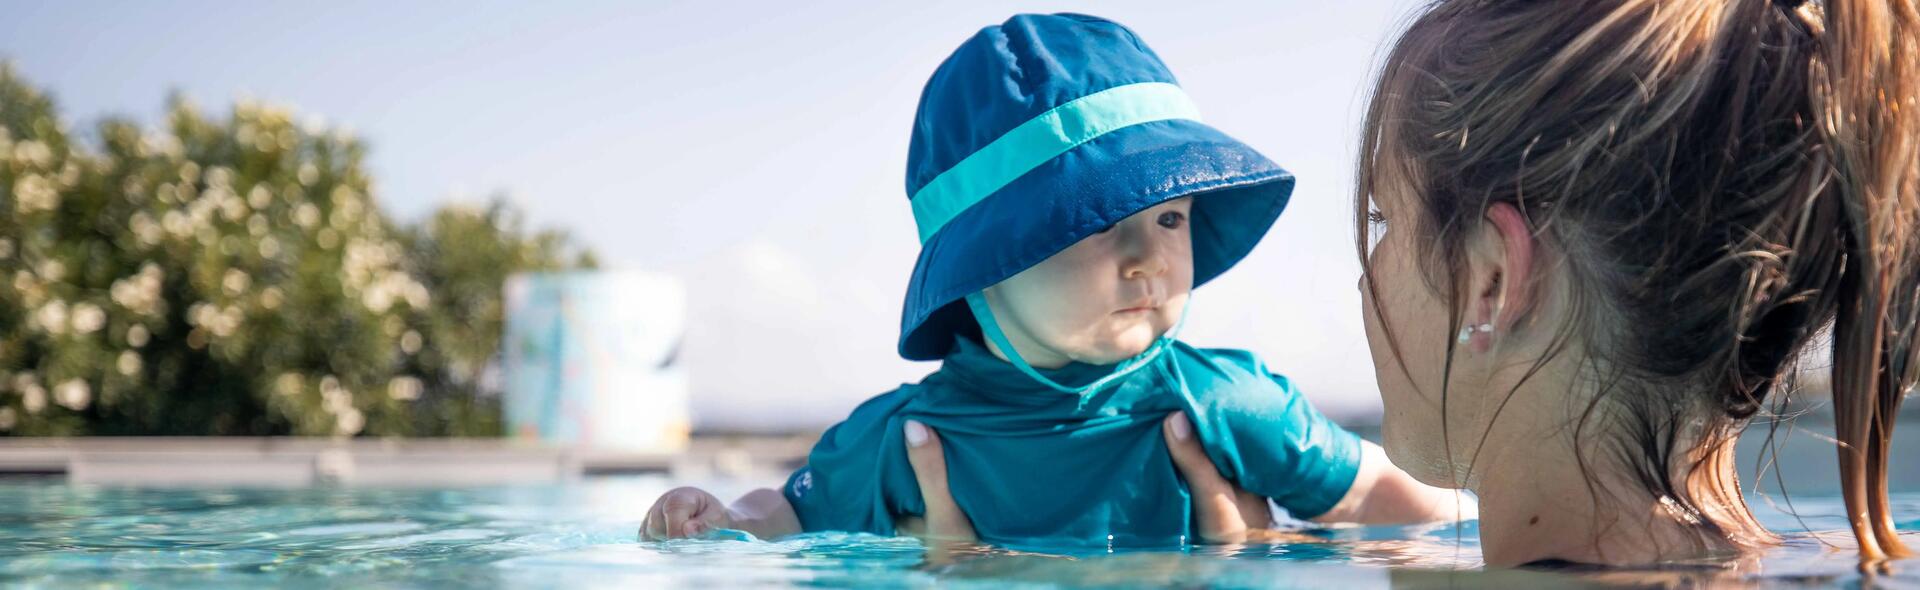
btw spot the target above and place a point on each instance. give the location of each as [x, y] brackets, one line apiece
[73, 395]
[270, 298]
[334, 398]
[137, 336]
[378, 299]
[405, 389]
[88, 318]
[227, 321]
[236, 282]
[69, 174]
[53, 317]
[328, 239]
[243, 135]
[200, 314]
[33, 397]
[139, 293]
[269, 247]
[410, 342]
[8, 419]
[220, 177]
[144, 228]
[308, 173]
[6, 248]
[417, 295]
[177, 223]
[349, 423]
[163, 144]
[52, 270]
[306, 215]
[129, 363]
[261, 195]
[32, 192]
[33, 152]
[231, 206]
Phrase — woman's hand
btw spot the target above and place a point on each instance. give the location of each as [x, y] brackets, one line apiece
[943, 521]
[1222, 512]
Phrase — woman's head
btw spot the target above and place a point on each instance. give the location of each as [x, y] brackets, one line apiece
[1661, 202]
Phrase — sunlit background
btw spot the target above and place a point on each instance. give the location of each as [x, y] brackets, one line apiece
[753, 150]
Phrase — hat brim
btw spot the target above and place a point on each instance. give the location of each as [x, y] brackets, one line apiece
[1082, 192]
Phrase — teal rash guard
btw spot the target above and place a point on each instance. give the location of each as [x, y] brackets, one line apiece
[1032, 466]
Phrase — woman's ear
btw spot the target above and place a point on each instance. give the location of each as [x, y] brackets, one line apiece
[1501, 276]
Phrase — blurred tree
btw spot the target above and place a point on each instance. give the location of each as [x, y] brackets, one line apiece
[464, 255]
[235, 277]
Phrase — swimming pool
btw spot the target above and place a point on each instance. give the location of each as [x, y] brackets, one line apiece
[583, 535]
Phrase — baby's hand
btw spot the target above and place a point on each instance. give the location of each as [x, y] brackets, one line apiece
[685, 512]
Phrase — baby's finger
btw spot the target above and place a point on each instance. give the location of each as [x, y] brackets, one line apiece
[655, 526]
[1216, 512]
[944, 519]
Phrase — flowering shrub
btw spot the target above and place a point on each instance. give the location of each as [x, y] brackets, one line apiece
[236, 277]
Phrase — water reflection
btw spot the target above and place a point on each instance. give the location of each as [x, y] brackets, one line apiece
[583, 535]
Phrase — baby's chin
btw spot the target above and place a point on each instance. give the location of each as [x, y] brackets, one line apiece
[1121, 346]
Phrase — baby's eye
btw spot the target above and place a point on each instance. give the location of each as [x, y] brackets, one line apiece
[1374, 216]
[1172, 219]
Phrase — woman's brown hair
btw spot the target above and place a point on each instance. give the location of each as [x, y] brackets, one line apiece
[1718, 182]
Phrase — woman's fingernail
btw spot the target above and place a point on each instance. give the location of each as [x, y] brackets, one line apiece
[916, 433]
[1182, 429]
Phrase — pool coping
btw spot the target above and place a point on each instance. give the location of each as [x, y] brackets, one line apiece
[297, 461]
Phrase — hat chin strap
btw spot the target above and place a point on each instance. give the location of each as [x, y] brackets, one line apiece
[990, 328]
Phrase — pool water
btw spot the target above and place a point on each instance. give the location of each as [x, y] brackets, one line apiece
[583, 535]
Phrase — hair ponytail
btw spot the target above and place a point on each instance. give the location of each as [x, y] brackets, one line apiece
[1866, 92]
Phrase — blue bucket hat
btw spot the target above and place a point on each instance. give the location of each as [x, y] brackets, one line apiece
[1047, 129]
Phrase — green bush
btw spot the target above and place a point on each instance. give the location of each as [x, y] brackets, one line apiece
[236, 277]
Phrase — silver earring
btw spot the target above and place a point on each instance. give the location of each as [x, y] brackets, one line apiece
[1466, 332]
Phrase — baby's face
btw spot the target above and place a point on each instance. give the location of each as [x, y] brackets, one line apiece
[1104, 299]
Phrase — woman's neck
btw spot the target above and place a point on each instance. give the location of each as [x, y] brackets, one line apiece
[1540, 500]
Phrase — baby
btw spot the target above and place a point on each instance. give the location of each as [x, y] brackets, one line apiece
[1068, 199]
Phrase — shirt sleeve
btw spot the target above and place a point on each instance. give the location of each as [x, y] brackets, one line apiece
[1265, 436]
[854, 470]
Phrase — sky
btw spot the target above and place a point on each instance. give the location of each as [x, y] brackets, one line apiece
[756, 150]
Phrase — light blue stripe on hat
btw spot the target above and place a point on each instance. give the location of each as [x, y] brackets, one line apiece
[1041, 139]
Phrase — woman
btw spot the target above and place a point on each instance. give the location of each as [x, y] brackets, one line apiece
[1597, 238]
